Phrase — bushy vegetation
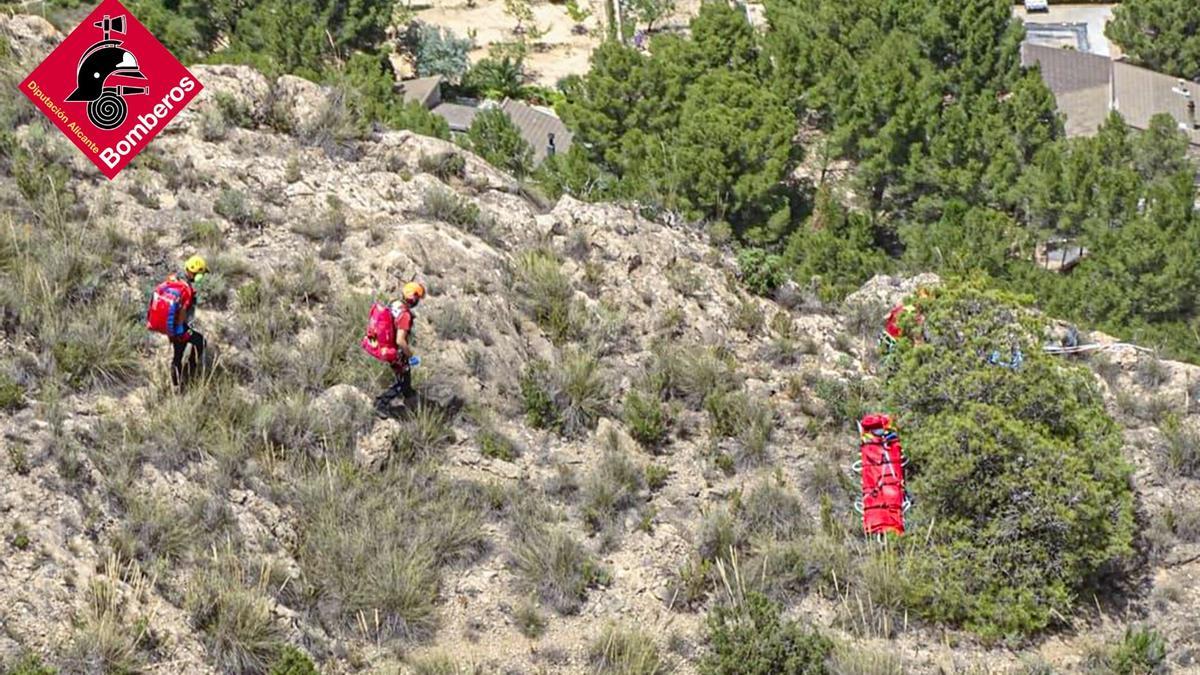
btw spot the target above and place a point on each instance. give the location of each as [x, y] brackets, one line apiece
[981, 433]
[749, 635]
[1154, 34]
[1142, 651]
[437, 51]
[552, 564]
[375, 542]
[626, 652]
[568, 398]
[292, 661]
[495, 138]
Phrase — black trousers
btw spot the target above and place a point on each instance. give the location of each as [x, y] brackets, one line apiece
[401, 387]
[196, 340]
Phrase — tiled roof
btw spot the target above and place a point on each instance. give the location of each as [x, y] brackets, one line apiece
[1141, 94]
[1087, 86]
[423, 90]
[536, 127]
[459, 117]
[1067, 70]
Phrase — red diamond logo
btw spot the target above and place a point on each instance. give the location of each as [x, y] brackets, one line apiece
[111, 86]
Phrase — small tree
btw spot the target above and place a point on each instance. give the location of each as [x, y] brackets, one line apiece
[522, 11]
[495, 138]
[1017, 471]
[495, 78]
[649, 11]
[751, 636]
[437, 51]
[1159, 34]
[578, 15]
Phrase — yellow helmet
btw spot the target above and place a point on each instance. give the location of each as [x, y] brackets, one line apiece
[195, 265]
[414, 291]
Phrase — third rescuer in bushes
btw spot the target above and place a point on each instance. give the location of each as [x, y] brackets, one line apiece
[403, 316]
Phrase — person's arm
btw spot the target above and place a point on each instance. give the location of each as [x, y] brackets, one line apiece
[402, 343]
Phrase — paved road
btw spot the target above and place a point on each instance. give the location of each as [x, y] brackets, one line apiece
[1094, 16]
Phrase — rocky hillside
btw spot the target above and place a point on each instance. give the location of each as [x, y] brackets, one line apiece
[540, 493]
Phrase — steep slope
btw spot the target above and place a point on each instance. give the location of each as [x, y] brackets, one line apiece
[197, 533]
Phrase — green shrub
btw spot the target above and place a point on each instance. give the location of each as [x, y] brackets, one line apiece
[12, 394]
[1142, 651]
[326, 227]
[437, 51]
[736, 415]
[444, 165]
[982, 433]
[206, 233]
[556, 567]
[626, 651]
[1183, 448]
[538, 402]
[103, 350]
[235, 621]
[530, 621]
[646, 418]
[1151, 372]
[656, 476]
[292, 661]
[442, 204]
[425, 431]
[750, 637]
[545, 293]
[155, 531]
[613, 486]
[494, 78]
[569, 399]
[773, 512]
[108, 638]
[455, 323]
[581, 393]
[690, 374]
[720, 536]
[496, 445]
[846, 402]
[760, 271]
[29, 664]
[234, 206]
[499, 142]
[374, 544]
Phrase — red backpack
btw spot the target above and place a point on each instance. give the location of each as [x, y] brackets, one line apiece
[380, 340]
[168, 309]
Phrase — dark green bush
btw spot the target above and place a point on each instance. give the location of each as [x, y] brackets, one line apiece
[646, 418]
[496, 445]
[29, 664]
[12, 394]
[1019, 470]
[545, 293]
[621, 651]
[540, 411]
[234, 206]
[444, 165]
[292, 661]
[498, 141]
[1142, 651]
[558, 568]
[751, 637]
[761, 272]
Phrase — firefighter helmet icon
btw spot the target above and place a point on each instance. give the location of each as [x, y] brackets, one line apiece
[106, 103]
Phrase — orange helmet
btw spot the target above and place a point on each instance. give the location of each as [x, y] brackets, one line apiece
[414, 291]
